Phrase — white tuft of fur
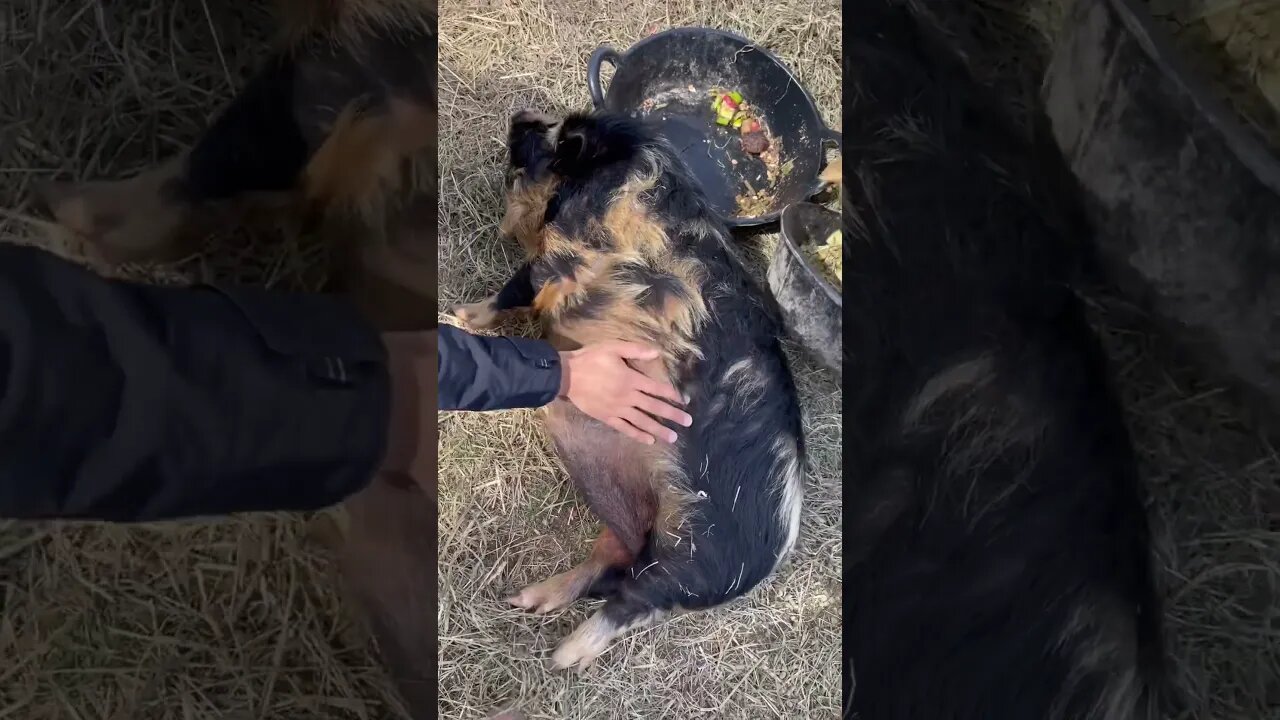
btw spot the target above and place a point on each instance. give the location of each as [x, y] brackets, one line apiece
[1099, 637]
[744, 383]
[791, 482]
[967, 374]
[592, 638]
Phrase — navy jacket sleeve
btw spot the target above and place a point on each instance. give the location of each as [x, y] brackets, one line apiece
[127, 402]
[495, 373]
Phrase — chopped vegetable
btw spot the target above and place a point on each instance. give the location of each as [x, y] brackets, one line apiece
[724, 114]
[728, 108]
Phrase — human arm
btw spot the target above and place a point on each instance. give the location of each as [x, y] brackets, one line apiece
[494, 373]
[129, 402]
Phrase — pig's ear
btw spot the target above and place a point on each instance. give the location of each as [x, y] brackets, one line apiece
[580, 147]
[527, 145]
[571, 147]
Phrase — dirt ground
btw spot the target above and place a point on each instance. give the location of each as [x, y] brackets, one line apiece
[507, 516]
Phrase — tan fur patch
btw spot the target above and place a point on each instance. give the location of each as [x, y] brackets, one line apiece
[360, 166]
[552, 296]
[555, 242]
[685, 314]
[638, 241]
[633, 228]
[639, 238]
[526, 208]
[671, 326]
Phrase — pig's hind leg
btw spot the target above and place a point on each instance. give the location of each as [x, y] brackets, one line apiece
[614, 476]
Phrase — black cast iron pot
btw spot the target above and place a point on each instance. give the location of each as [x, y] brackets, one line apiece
[671, 78]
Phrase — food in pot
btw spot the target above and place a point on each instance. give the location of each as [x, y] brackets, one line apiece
[755, 142]
[829, 257]
[728, 108]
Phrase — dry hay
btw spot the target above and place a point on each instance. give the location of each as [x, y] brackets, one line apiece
[1235, 44]
[507, 516]
[237, 619]
[1214, 480]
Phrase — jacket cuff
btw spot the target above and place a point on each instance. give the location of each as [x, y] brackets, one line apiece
[543, 357]
[325, 433]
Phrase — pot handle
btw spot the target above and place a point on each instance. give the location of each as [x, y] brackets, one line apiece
[831, 137]
[602, 54]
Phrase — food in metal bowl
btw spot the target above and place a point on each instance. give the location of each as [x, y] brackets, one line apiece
[1236, 45]
[829, 257]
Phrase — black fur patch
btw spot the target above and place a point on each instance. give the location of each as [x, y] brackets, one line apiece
[518, 292]
[561, 265]
[588, 142]
[255, 145]
[526, 142]
[659, 286]
[593, 303]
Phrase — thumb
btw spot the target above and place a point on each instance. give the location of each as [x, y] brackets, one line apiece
[634, 351]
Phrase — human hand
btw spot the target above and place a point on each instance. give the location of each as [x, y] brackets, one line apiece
[598, 381]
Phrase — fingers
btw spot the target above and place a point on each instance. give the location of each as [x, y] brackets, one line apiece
[658, 389]
[621, 426]
[660, 409]
[649, 425]
[646, 384]
[634, 351]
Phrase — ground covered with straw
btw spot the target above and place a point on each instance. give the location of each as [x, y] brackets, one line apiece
[236, 619]
[508, 517]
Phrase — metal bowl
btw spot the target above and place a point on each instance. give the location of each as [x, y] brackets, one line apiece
[1185, 199]
[811, 305]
